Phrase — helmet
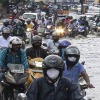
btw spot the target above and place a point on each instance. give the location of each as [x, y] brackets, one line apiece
[55, 33]
[36, 41]
[53, 67]
[5, 30]
[19, 23]
[6, 22]
[53, 61]
[14, 40]
[72, 55]
[55, 36]
[28, 20]
[36, 38]
[72, 50]
[64, 43]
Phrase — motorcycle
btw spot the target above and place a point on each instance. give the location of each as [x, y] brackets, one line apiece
[72, 32]
[82, 30]
[35, 70]
[83, 92]
[29, 35]
[83, 86]
[13, 82]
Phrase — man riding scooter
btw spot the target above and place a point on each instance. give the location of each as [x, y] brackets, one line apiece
[52, 86]
[36, 50]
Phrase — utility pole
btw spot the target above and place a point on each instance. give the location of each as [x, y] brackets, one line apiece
[55, 2]
[84, 7]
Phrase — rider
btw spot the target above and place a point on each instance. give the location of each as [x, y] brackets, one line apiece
[5, 37]
[62, 46]
[73, 68]
[6, 23]
[19, 30]
[52, 86]
[34, 23]
[36, 50]
[40, 30]
[83, 21]
[71, 25]
[13, 54]
[54, 43]
[29, 24]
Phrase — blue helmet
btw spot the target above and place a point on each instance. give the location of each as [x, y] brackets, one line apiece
[64, 43]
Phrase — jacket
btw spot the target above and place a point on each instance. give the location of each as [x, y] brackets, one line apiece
[40, 89]
[34, 53]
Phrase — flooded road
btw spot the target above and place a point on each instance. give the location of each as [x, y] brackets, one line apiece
[90, 53]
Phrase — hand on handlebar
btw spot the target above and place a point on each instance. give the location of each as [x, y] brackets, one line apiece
[27, 71]
[90, 85]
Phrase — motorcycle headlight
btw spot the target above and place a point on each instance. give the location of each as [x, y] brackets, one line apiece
[70, 30]
[60, 30]
[48, 26]
[28, 29]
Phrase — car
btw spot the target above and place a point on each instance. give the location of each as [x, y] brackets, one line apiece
[37, 16]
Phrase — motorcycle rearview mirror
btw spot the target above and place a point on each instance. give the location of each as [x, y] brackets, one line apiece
[21, 96]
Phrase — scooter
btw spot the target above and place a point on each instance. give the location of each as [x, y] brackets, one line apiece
[82, 30]
[35, 70]
[29, 34]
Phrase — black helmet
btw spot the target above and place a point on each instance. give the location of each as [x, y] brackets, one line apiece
[72, 55]
[36, 41]
[5, 22]
[53, 61]
[72, 50]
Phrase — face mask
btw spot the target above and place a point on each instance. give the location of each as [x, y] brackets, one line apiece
[52, 73]
[72, 59]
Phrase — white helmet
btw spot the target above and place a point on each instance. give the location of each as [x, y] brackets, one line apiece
[14, 40]
[6, 30]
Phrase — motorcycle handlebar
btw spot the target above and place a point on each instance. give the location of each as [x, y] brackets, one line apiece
[84, 86]
[83, 62]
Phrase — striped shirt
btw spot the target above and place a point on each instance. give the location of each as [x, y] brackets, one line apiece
[6, 56]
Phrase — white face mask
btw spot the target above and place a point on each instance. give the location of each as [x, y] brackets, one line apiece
[52, 73]
[72, 59]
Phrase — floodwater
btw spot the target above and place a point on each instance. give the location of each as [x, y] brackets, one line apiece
[90, 53]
